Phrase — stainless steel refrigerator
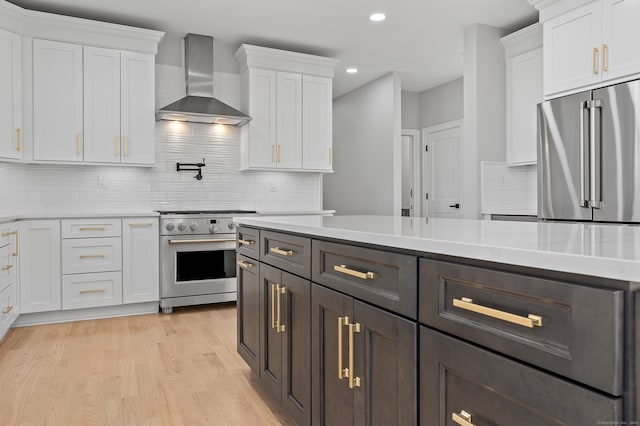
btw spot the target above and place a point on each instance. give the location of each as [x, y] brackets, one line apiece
[589, 155]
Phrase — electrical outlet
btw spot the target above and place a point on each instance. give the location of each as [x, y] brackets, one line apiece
[101, 184]
[272, 187]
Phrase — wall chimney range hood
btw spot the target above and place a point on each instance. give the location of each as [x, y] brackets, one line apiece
[199, 105]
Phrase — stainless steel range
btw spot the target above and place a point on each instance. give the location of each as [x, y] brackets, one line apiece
[198, 257]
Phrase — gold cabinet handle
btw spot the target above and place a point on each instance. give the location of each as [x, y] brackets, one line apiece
[342, 372]
[280, 290]
[7, 309]
[17, 237]
[117, 146]
[97, 290]
[92, 256]
[595, 60]
[330, 155]
[246, 242]
[273, 305]
[467, 304]
[354, 381]
[78, 143]
[463, 419]
[274, 157]
[279, 153]
[345, 270]
[140, 224]
[19, 147]
[95, 228]
[125, 146]
[281, 252]
[244, 265]
[605, 66]
[6, 268]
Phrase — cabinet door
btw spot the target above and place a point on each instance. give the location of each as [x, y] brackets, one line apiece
[101, 105]
[261, 129]
[524, 92]
[317, 123]
[91, 290]
[289, 120]
[40, 266]
[296, 347]
[10, 95]
[270, 330]
[140, 260]
[138, 108]
[332, 399]
[248, 308]
[385, 360]
[572, 49]
[57, 101]
[620, 33]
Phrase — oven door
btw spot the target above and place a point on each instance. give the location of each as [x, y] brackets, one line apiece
[195, 265]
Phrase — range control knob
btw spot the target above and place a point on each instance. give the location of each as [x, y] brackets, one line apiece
[232, 225]
[193, 226]
[169, 226]
[182, 226]
[213, 229]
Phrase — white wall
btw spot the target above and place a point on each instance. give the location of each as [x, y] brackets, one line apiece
[442, 104]
[366, 144]
[410, 110]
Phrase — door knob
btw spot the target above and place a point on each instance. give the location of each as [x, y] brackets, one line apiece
[456, 205]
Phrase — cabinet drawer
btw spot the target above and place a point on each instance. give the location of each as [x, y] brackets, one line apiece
[9, 309]
[91, 255]
[90, 228]
[493, 309]
[91, 290]
[288, 252]
[248, 242]
[8, 266]
[379, 277]
[457, 376]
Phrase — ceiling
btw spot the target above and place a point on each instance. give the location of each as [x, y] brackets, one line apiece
[421, 39]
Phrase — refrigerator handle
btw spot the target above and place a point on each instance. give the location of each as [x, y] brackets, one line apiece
[584, 193]
[595, 149]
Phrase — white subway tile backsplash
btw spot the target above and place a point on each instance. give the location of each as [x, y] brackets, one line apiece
[508, 190]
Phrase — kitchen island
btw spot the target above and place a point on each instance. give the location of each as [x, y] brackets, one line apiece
[506, 322]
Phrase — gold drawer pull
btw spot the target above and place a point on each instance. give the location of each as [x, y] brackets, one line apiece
[15, 234]
[342, 372]
[245, 265]
[605, 65]
[7, 309]
[530, 321]
[19, 147]
[140, 224]
[92, 256]
[97, 290]
[354, 381]
[79, 143]
[92, 228]
[278, 250]
[463, 419]
[6, 268]
[273, 305]
[357, 274]
[274, 155]
[595, 60]
[246, 242]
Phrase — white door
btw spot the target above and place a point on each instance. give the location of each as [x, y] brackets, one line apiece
[289, 120]
[442, 172]
[317, 107]
[410, 173]
[620, 35]
[10, 95]
[137, 108]
[57, 101]
[140, 267]
[261, 129]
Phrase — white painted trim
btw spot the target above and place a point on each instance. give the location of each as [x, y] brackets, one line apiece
[443, 126]
[417, 169]
[282, 60]
[552, 8]
[522, 41]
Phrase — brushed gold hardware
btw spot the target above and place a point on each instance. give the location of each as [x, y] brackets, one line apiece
[14, 233]
[6, 268]
[140, 224]
[279, 153]
[274, 158]
[354, 381]
[530, 321]
[246, 242]
[125, 146]
[245, 265]
[342, 372]
[595, 60]
[78, 143]
[345, 270]
[7, 309]
[117, 146]
[19, 147]
[94, 228]
[463, 419]
[280, 290]
[97, 290]
[278, 250]
[92, 256]
[605, 66]
[273, 305]
[330, 155]
[222, 240]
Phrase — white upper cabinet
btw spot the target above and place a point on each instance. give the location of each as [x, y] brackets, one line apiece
[591, 44]
[289, 98]
[10, 95]
[57, 101]
[523, 54]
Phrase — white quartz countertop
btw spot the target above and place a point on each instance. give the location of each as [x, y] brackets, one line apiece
[71, 215]
[601, 250]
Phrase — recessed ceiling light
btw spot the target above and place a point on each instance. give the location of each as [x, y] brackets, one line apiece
[377, 17]
[352, 70]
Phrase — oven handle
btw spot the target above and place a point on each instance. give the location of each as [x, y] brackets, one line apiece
[201, 241]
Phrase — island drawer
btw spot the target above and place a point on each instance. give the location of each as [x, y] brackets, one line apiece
[380, 277]
[287, 252]
[459, 379]
[548, 323]
[248, 242]
[91, 228]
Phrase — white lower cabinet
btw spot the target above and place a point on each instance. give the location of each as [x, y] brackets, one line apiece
[91, 290]
[9, 306]
[140, 264]
[86, 255]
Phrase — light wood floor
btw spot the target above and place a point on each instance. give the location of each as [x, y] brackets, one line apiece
[178, 369]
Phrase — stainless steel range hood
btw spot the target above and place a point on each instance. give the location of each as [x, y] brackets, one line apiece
[199, 105]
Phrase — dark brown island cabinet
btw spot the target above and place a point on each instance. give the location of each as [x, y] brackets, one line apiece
[348, 333]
